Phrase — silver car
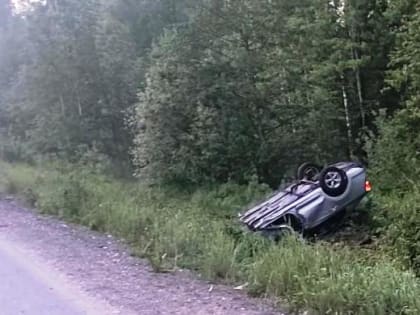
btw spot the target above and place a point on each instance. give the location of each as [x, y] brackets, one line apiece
[317, 196]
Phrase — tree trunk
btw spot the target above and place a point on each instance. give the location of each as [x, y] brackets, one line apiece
[79, 105]
[63, 109]
[348, 120]
[359, 89]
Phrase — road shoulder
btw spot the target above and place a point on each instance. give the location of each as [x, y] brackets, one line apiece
[105, 270]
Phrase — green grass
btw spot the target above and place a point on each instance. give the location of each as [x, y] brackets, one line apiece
[399, 221]
[334, 282]
[198, 230]
[19, 180]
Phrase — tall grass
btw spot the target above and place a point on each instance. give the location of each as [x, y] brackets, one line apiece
[329, 282]
[198, 230]
[399, 219]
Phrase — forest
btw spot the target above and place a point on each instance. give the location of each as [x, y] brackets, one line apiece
[157, 120]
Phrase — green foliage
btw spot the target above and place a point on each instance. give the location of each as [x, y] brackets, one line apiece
[400, 218]
[325, 281]
[179, 230]
[253, 88]
[404, 73]
[219, 256]
[70, 71]
[19, 180]
[395, 157]
[224, 92]
[217, 97]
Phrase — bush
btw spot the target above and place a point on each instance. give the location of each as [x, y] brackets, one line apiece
[400, 221]
[396, 171]
[395, 158]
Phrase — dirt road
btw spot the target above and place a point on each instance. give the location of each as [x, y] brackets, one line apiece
[29, 287]
[49, 267]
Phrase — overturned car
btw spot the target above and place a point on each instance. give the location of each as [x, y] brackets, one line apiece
[317, 196]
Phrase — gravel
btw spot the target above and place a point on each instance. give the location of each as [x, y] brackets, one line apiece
[103, 267]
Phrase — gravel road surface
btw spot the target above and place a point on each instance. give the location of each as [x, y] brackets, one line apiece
[48, 267]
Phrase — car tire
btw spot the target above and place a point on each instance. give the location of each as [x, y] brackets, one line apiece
[309, 171]
[333, 181]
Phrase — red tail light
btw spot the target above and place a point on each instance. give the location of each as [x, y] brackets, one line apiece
[368, 186]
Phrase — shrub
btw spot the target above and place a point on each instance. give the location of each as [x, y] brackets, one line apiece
[395, 168]
[395, 157]
[400, 221]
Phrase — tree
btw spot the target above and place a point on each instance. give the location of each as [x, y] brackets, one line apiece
[246, 110]
[83, 64]
[223, 90]
[395, 157]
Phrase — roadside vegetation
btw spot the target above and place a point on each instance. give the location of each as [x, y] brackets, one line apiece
[159, 120]
[198, 230]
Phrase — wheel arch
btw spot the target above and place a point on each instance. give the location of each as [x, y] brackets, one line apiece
[292, 219]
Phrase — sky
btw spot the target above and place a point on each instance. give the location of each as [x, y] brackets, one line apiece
[21, 5]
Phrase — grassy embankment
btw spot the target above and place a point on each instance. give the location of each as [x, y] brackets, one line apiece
[197, 230]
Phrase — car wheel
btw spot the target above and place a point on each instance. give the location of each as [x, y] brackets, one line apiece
[333, 181]
[309, 171]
